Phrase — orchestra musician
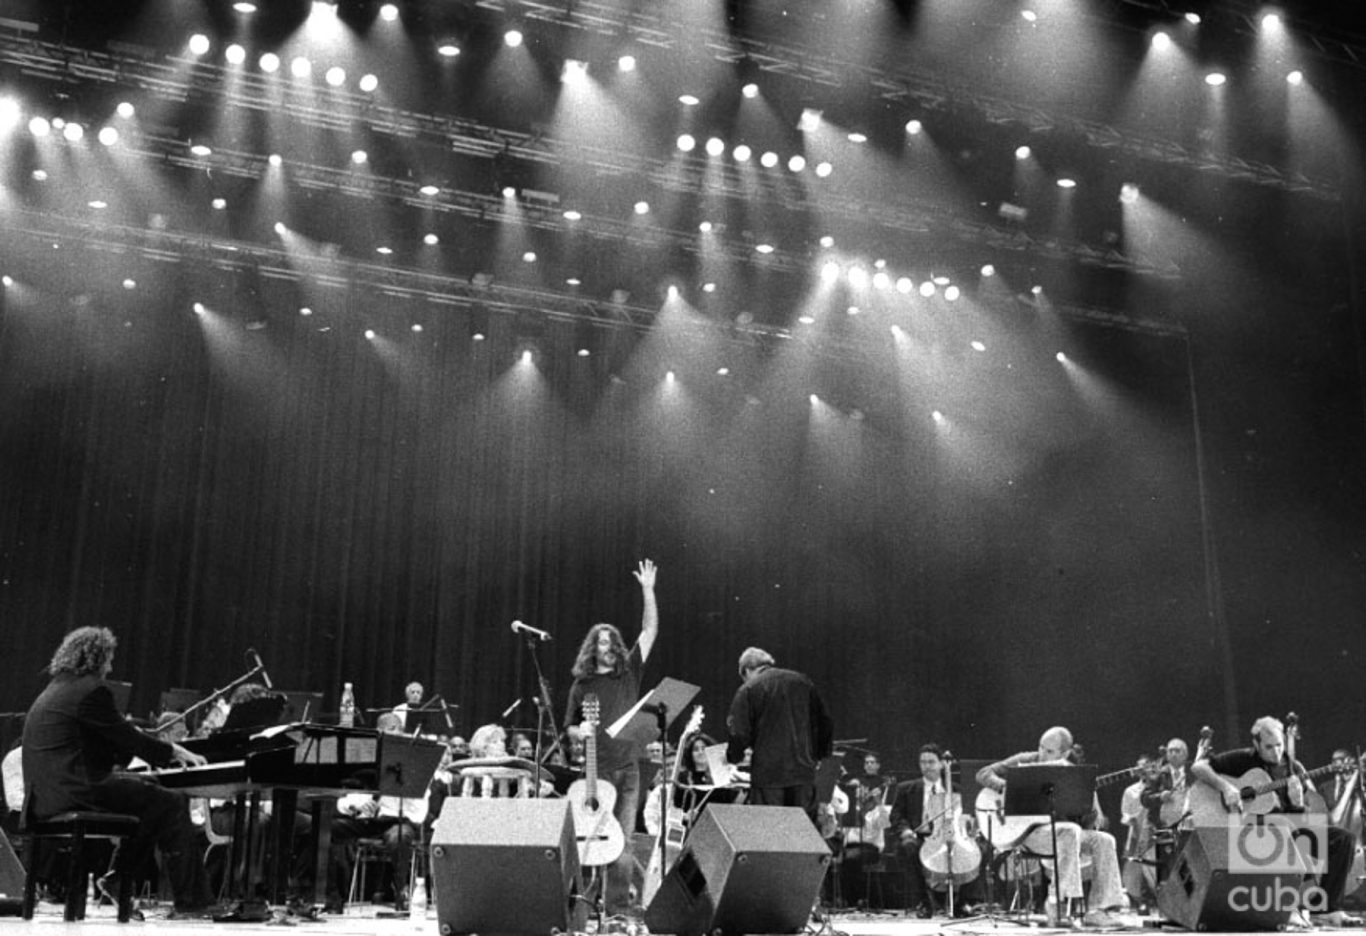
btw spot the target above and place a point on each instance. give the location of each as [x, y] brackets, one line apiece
[74, 738]
[393, 820]
[413, 694]
[1055, 746]
[863, 825]
[1140, 818]
[1344, 780]
[1167, 796]
[1268, 754]
[917, 807]
[605, 668]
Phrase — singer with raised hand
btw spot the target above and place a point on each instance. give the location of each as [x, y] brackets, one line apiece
[607, 670]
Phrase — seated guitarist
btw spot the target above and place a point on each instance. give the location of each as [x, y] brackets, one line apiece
[605, 668]
[1055, 747]
[1224, 771]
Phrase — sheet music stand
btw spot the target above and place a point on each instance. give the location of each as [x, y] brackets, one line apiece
[655, 711]
[1052, 790]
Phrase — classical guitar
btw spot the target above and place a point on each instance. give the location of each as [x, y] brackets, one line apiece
[674, 828]
[591, 801]
[1004, 831]
[1256, 789]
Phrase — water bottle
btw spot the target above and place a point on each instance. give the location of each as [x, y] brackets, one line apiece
[417, 900]
[347, 709]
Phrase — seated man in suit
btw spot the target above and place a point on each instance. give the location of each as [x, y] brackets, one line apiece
[917, 808]
[74, 738]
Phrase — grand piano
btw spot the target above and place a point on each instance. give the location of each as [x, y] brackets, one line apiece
[313, 762]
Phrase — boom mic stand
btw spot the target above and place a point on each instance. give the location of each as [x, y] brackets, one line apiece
[545, 710]
[214, 696]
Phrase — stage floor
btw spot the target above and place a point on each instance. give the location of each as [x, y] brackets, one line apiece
[378, 921]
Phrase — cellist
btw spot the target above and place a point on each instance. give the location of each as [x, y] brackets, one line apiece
[918, 806]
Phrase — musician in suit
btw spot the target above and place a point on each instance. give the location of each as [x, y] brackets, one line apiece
[1055, 747]
[1268, 754]
[75, 738]
[1344, 780]
[779, 717]
[606, 669]
[916, 806]
[1167, 793]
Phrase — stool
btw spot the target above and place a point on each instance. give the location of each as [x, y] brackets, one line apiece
[75, 828]
[369, 853]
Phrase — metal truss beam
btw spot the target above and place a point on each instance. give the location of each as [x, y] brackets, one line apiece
[447, 290]
[339, 110]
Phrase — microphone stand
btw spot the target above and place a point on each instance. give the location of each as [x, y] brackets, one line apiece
[545, 709]
[214, 696]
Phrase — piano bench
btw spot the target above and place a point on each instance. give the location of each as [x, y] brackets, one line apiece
[74, 829]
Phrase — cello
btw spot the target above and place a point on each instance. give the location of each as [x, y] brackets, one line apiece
[949, 856]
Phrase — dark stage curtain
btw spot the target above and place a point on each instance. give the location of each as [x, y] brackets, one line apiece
[379, 510]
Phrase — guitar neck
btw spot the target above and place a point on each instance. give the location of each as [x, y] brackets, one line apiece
[1272, 786]
[1116, 776]
[590, 775]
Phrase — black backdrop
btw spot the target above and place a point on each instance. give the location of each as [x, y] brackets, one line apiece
[378, 511]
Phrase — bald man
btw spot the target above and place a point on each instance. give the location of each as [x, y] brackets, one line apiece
[1055, 745]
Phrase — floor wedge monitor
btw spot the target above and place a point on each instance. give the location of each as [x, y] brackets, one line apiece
[506, 867]
[743, 869]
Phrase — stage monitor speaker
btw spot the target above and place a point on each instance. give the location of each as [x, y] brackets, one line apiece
[1200, 893]
[506, 866]
[743, 869]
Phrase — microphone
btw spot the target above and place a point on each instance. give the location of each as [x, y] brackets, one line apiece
[519, 628]
[262, 667]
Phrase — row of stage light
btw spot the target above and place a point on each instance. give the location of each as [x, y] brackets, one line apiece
[40, 126]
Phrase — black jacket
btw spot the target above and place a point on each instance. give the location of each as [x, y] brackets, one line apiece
[74, 737]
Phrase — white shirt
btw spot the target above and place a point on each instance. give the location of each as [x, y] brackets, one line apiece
[367, 806]
[13, 770]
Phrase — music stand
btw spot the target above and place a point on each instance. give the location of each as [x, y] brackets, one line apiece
[652, 713]
[1051, 790]
[301, 705]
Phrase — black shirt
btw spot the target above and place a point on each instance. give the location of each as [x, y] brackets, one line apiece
[616, 693]
[1234, 764]
[779, 714]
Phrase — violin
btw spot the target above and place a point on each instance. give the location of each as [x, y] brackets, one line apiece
[949, 856]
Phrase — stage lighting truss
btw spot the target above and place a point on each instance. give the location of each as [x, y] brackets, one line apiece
[471, 138]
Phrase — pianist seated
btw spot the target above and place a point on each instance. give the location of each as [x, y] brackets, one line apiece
[74, 738]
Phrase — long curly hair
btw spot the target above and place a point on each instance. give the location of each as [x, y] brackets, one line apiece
[587, 662]
[84, 652]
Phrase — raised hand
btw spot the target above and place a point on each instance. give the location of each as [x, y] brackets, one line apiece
[645, 573]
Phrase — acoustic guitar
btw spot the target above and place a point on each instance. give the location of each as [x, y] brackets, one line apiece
[1004, 832]
[674, 827]
[591, 802]
[1256, 790]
